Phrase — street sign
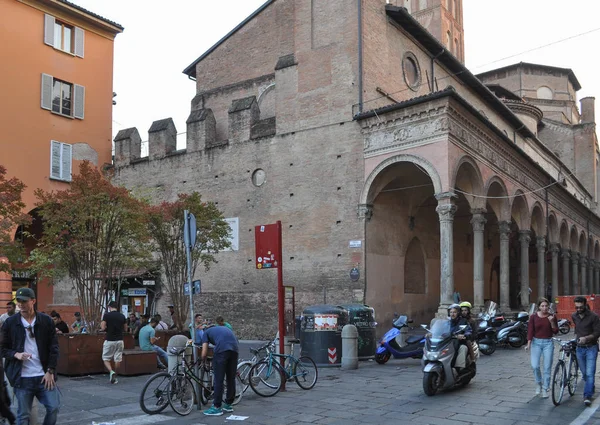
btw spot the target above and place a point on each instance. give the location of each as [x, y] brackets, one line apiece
[189, 231]
[196, 287]
[267, 246]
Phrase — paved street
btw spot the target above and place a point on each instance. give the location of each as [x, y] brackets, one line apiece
[501, 393]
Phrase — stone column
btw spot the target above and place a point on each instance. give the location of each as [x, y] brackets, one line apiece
[576, 289]
[583, 265]
[540, 244]
[524, 239]
[554, 252]
[590, 280]
[566, 256]
[478, 221]
[504, 228]
[446, 210]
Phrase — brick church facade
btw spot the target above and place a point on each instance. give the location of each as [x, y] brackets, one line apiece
[357, 125]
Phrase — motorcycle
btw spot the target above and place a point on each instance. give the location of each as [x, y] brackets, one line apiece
[393, 344]
[511, 332]
[439, 372]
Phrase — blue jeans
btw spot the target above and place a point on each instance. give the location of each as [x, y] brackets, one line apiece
[224, 365]
[162, 354]
[33, 387]
[539, 348]
[586, 357]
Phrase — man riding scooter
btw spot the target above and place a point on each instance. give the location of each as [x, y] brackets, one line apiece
[457, 320]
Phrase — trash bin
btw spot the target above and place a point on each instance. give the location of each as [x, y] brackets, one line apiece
[321, 334]
[363, 317]
[176, 341]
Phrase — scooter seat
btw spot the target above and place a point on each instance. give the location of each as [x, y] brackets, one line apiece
[413, 339]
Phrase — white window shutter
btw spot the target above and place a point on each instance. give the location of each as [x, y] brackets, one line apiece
[55, 151]
[79, 41]
[49, 30]
[234, 237]
[79, 101]
[66, 162]
[47, 91]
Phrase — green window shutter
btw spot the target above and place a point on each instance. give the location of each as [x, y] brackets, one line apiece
[47, 91]
[55, 151]
[79, 41]
[49, 30]
[66, 162]
[79, 101]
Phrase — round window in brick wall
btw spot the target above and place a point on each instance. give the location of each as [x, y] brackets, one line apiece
[411, 70]
[259, 177]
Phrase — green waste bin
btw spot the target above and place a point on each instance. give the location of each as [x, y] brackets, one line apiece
[363, 317]
[321, 334]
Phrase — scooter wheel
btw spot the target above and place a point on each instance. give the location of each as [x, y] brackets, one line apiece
[522, 341]
[382, 358]
[430, 383]
[565, 329]
[490, 348]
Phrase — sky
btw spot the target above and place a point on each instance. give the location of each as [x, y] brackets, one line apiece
[161, 38]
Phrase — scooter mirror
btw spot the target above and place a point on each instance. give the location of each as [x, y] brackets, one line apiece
[424, 326]
[409, 321]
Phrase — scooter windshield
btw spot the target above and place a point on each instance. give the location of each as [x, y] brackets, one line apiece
[400, 322]
[440, 331]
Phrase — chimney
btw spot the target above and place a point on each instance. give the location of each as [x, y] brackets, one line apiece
[588, 110]
[201, 130]
[162, 138]
[128, 147]
[243, 114]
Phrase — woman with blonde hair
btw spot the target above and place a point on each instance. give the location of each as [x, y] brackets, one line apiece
[542, 326]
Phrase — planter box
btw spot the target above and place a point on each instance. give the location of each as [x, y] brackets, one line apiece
[81, 354]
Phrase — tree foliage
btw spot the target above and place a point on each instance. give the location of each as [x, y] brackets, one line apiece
[11, 216]
[93, 231]
[166, 227]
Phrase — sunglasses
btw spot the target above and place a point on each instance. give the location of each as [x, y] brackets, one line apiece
[30, 329]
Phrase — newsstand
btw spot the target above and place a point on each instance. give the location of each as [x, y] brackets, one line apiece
[321, 334]
[363, 317]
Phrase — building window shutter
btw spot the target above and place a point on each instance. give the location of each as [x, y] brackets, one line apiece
[234, 235]
[79, 41]
[49, 30]
[66, 162]
[55, 160]
[79, 99]
[46, 91]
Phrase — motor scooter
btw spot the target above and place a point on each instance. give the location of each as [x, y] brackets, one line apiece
[439, 372]
[393, 343]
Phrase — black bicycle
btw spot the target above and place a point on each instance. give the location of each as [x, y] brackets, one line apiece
[565, 376]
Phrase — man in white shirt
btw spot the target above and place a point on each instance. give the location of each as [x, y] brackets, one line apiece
[10, 310]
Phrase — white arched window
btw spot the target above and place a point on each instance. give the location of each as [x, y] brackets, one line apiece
[544, 92]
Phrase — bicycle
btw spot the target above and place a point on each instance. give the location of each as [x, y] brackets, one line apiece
[268, 375]
[244, 366]
[560, 378]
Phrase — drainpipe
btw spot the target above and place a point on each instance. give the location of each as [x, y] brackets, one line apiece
[360, 59]
[433, 69]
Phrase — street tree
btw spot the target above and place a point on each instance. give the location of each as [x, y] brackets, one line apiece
[92, 232]
[166, 228]
[11, 216]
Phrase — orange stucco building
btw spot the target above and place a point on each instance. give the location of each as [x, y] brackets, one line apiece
[57, 78]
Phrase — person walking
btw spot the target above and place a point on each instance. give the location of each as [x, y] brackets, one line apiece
[587, 331]
[10, 310]
[114, 323]
[224, 363]
[30, 347]
[542, 326]
[147, 343]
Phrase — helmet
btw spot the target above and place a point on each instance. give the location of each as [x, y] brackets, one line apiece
[451, 306]
[466, 304]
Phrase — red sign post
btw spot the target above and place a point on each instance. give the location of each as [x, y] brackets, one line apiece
[269, 256]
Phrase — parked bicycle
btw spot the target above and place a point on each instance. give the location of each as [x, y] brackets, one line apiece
[268, 375]
[565, 376]
[244, 366]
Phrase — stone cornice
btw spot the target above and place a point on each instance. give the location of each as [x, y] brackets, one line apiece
[520, 107]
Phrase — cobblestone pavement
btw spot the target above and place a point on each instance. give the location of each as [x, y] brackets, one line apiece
[501, 393]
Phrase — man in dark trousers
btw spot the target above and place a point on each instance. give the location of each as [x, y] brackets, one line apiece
[587, 330]
[224, 362]
[114, 323]
[30, 348]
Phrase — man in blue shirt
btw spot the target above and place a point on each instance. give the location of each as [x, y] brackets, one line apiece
[225, 360]
[147, 340]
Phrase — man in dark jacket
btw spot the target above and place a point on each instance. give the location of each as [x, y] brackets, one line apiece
[587, 330]
[30, 347]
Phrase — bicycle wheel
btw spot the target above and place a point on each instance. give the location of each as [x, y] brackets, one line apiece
[265, 379]
[305, 372]
[573, 374]
[181, 396]
[239, 389]
[558, 383]
[243, 373]
[206, 385]
[154, 397]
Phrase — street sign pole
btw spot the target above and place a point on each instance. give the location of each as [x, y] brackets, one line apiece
[189, 238]
[280, 295]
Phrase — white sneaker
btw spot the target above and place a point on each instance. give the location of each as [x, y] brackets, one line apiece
[544, 393]
[538, 389]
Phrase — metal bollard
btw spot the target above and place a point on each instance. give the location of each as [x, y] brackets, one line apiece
[349, 347]
[177, 341]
